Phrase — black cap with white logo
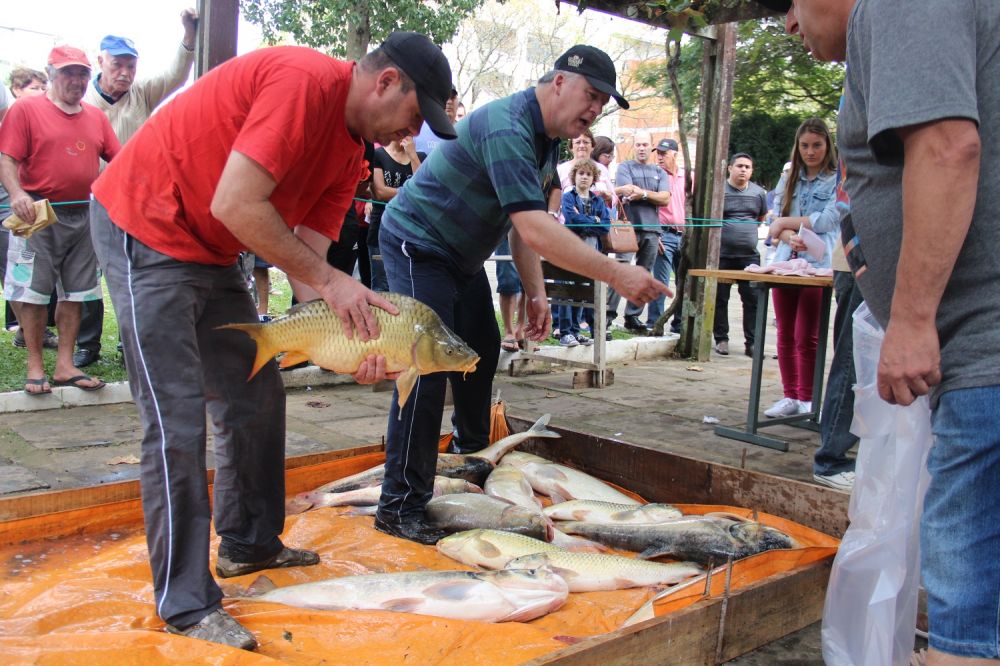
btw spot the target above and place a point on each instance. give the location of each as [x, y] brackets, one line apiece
[595, 65]
[424, 62]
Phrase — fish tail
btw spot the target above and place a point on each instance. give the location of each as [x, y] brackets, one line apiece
[266, 349]
[538, 428]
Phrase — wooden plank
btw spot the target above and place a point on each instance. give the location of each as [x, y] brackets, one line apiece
[660, 476]
[35, 504]
[687, 637]
[746, 276]
[769, 609]
[755, 615]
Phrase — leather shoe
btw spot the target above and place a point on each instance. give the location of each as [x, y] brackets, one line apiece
[633, 324]
[84, 357]
[287, 557]
[412, 530]
[722, 347]
[748, 350]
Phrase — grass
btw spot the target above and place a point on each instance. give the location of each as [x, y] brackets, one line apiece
[111, 368]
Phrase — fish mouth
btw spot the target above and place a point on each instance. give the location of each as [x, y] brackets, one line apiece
[471, 367]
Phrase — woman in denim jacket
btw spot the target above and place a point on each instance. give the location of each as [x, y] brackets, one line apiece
[805, 199]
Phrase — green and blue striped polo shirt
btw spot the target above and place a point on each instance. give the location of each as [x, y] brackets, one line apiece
[460, 200]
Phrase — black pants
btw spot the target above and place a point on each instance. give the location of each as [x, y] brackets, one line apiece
[465, 305]
[721, 329]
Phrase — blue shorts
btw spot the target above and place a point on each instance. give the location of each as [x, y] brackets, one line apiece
[959, 530]
[508, 281]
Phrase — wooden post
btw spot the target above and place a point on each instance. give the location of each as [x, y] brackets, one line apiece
[217, 29]
[718, 68]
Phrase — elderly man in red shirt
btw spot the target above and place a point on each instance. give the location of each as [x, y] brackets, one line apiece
[262, 153]
[51, 146]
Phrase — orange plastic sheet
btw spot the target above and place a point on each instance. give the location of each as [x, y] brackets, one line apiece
[88, 599]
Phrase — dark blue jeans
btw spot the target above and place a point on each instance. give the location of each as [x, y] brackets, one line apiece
[838, 403]
[465, 305]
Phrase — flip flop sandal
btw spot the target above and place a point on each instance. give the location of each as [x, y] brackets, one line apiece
[36, 382]
[77, 382]
[510, 344]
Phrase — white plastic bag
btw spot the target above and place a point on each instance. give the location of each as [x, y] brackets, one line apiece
[871, 602]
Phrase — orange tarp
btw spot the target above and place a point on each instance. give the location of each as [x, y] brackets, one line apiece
[88, 599]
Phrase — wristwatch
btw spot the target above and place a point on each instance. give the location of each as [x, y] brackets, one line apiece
[644, 195]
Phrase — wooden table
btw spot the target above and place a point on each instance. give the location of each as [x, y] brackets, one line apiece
[761, 284]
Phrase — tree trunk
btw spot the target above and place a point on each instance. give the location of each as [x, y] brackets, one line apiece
[359, 35]
[673, 50]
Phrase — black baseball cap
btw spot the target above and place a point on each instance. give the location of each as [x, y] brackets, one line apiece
[666, 144]
[424, 62]
[594, 65]
[776, 5]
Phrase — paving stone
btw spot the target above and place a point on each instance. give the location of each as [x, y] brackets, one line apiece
[17, 479]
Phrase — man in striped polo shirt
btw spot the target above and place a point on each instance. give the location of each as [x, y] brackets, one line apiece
[443, 225]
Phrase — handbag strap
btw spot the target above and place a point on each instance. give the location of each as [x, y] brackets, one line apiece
[622, 217]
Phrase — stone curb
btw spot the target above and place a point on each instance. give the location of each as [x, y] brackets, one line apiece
[617, 352]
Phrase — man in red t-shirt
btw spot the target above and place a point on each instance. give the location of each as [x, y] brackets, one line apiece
[262, 153]
[51, 146]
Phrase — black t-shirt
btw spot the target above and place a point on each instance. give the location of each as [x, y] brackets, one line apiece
[393, 173]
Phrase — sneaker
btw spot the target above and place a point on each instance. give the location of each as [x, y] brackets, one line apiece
[805, 406]
[784, 407]
[840, 481]
[218, 627]
[584, 340]
[722, 347]
[288, 557]
[568, 340]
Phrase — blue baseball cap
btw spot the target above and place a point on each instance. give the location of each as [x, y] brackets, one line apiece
[115, 45]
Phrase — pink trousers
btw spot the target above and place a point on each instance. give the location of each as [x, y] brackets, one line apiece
[797, 312]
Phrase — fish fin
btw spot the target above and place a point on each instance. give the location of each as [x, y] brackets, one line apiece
[361, 511]
[559, 494]
[292, 358]
[261, 585]
[538, 428]
[452, 590]
[486, 548]
[266, 350]
[298, 307]
[404, 605]
[653, 551]
[404, 385]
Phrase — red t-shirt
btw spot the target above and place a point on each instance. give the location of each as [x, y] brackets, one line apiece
[59, 152]
[282, 107]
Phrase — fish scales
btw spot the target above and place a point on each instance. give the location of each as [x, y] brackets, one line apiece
[414, 342]
[589, 572]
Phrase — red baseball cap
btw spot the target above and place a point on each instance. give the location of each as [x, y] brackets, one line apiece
[63, 56]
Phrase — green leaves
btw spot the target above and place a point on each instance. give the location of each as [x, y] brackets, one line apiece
[347, 27]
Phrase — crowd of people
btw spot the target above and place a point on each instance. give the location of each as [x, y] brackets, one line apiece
[66, 125]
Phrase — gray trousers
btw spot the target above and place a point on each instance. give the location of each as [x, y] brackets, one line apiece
[179, 366]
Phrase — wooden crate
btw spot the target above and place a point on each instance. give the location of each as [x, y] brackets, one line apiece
[711, 631]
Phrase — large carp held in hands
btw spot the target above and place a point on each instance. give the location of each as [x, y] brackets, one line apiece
[415, 342]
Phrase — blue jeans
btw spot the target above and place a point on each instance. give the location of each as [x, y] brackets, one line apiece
[838, 403]
[464, 304]
[508, 281]
[959, 533]
[662, 266]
